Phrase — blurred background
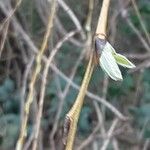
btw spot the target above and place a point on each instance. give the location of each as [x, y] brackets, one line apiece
[22, 28]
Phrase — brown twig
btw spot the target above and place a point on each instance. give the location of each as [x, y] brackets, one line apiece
[109, 134]
[4, 36]
[125, 15]
[90, 138]
[73, 17]
[141, 20]
[34, 77]
[43, 86]
[63, 96]
[73, 115]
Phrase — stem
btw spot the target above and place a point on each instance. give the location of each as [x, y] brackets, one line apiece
[70, 125]
[102, 21]
[35, 74]
[73, 114]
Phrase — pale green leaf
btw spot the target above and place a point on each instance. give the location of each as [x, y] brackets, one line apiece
[109, 65]
[123, 61]
[109, 48]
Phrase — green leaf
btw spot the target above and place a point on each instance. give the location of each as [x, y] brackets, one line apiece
[123, 61]
[108, 63]
[109, 48]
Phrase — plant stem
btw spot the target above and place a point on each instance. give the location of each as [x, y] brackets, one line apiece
[34, 77]
[73, 114]
[102, 21]
[70, 125]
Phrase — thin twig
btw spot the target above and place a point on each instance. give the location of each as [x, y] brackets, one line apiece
[72, 16]
[34, 77]
[4, 36]
[137, 32]
[73, 115]
[43, 86]
[146, 144]
[62, 31]
[64, 94]
[89, 139]
[100, 117]
[109, 134]
[24, 85]
[141, 20]
[6, 22]
[9, 16]
[125, 15]
[115, 144]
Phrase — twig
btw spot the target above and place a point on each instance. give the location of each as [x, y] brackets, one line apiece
[73, 17]
[42, 10]
[9, 16]
[43, 86]
[137, 32]
[102, 21]
[6, 23]
[28, 142]
[64, 94]
[24, 85]
[34, 77]
[100, 117]
[73, 115]
[62, 31]
[109, 134]
[89, 139]
[146, 144]
[124, 14]
[115, 144]
[4, 36]
[140, 20]
[89, 16]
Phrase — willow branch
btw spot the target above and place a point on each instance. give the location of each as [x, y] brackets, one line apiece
[34, 77]
[72, 117]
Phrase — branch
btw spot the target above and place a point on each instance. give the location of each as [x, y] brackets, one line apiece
[72, 117]
[72, 16]
[141, 20]
[109, 134]
[34, 77]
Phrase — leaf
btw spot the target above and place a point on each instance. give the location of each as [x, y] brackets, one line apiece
[109, 48]
[108, 63]
[123, 61]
